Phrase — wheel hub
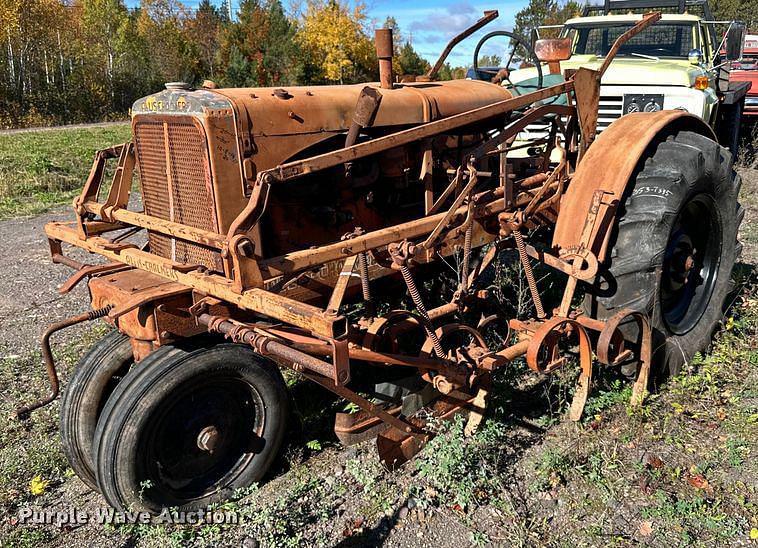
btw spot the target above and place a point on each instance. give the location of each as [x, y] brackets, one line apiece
[691, 264]
[208, 438]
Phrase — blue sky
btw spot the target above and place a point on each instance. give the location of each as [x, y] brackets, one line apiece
[431, 23]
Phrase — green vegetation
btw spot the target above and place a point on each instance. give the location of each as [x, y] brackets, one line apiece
[679, 471]
[89, 60]
[43, 169]
[676, 471]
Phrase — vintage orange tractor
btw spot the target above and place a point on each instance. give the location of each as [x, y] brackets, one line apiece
[284, 228]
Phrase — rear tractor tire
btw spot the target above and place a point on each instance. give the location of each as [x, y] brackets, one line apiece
[93, 381]
[675, 246]
[189, 426]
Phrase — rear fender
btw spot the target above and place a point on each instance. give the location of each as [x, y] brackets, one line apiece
[610, 165]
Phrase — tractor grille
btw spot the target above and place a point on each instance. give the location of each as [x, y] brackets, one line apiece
[176, 186]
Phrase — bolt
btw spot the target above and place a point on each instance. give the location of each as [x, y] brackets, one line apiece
[208, 438]
[246, 248]
[689, 262]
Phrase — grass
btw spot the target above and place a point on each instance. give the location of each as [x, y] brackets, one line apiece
[43, 169]
[680, 471]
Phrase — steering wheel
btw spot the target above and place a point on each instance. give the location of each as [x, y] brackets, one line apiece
[518, 42]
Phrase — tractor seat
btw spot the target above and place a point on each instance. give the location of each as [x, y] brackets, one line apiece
[548, 80]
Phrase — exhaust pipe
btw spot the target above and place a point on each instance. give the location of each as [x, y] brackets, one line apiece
[384, 51]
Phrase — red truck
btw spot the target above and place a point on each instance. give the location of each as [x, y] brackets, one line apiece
[746, 70]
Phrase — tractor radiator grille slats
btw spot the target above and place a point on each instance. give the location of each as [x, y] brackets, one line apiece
[176, 186]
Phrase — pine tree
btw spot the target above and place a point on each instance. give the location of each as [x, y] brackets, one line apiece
[411, 62]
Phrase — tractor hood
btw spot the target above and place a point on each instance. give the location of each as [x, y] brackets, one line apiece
[299, 110]
[240, 132]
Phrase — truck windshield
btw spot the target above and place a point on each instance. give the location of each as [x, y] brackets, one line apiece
[666, 40]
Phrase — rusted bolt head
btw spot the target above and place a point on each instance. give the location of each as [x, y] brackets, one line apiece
[689, 262]
[245, 247]
[281, 93]
[207, 439]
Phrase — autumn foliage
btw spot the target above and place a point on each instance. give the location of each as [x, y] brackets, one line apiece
[66, 61]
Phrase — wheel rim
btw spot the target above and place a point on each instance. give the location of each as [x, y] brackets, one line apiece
[199, 438]
[691, 264]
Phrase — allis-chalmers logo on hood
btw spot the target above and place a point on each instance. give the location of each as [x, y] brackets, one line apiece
[154, 104]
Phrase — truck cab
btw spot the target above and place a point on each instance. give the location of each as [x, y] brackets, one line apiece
[676, 64]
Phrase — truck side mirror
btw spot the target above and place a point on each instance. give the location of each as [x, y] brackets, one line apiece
[735, 41]
[551, 50]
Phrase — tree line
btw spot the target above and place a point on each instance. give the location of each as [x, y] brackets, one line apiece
[88, 60]
[67, 61]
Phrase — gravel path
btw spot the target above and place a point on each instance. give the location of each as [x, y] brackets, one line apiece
[29, 281]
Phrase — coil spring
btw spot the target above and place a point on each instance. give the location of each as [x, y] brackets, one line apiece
[363, 271]
[419, 302]
[466, 255]
[531, 282]
[99, 313]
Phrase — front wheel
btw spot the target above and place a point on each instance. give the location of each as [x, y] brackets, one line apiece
[94, 380]
[190, 425]
[675, 246]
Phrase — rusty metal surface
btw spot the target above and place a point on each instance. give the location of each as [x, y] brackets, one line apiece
[176, 185]
[328, 109]
[228, 178]
[452, 93]
[614, 154]
[551, 50]
[47, 356]
[384, 51]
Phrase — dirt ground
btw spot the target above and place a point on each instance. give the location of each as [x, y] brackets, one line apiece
[681, 471]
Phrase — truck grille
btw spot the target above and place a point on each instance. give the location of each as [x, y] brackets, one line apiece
[609, 110]
[176, 185]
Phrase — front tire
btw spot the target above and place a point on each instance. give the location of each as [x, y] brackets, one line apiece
[675, 246]
[190, 425]
[94, 380]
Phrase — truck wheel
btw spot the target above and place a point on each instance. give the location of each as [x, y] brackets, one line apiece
[190, 425]
[675, 246]
[93, 381]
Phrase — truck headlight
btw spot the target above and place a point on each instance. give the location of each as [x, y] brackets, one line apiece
[695, 56]
[642, 102]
